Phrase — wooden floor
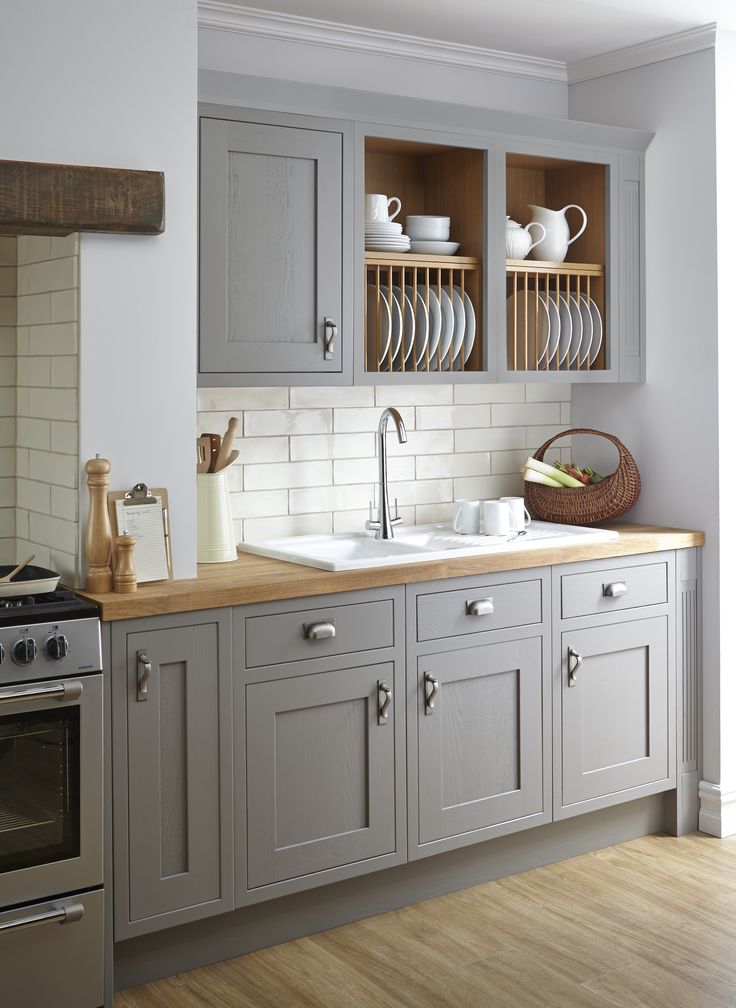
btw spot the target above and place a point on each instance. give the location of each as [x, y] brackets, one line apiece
[648, 923]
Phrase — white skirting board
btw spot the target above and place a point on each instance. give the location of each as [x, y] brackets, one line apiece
[717, 810]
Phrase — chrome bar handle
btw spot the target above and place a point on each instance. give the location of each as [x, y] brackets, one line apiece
[320, 631]
[573, 669]
[615, 589]
[479, 607]
[385, 691]
[430, 694]
[330, 334]
[144, 674]
[61, 691]
[59, 915]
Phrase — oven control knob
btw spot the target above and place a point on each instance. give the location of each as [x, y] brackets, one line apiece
[57, 647]
[24, 651]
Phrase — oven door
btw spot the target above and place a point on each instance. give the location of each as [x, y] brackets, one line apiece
[50, 788]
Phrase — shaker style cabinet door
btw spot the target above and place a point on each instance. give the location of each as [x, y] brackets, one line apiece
[172, 862]
[616, 740]
[320, 774]
[271, 250]
[482, 746]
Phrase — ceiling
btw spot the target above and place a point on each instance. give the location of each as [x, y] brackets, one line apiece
[566, 30]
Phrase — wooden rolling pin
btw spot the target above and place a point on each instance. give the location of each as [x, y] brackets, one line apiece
[223, 456]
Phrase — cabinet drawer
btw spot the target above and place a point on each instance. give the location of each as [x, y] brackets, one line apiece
[298, 636]
[602, 591]
[475, 610]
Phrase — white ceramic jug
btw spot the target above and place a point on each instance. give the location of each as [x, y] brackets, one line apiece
[519, 242]
[554, 245]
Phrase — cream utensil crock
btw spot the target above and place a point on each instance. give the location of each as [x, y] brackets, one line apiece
[557, 240]
[215, 542]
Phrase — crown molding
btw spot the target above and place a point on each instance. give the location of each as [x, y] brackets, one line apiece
[669, 46]
[221, 16]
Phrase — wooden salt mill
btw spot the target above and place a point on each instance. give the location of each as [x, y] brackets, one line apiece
[125, 576]
[98, 537]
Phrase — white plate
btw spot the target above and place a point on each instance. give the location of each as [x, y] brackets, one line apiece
[565, 334]
[397, 327]
[469, 328]
[385, 244]
[587, 331]
[554, 333]
[421, 327]
[382, 228]
[373, 325]
[435, 325]
[577, 332]
[446, 333]
[597, 328]
[408, 323]
[435, 247]
[536, 333]
[458, 332]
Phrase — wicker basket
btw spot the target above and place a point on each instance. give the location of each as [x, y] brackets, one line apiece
[597, 502]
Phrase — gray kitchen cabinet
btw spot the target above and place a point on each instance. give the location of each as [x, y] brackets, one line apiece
[271, 252]
[319, 743]
[172, 770]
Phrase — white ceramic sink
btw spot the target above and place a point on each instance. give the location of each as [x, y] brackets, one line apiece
[414, 544]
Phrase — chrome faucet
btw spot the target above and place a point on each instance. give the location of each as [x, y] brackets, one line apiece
[384, 526]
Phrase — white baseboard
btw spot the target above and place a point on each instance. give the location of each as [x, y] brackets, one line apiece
[717, 810]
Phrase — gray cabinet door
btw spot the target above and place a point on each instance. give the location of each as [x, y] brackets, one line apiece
[615, 734]
[481, 745]
[270, 248]
[320, 773]
[176, 811]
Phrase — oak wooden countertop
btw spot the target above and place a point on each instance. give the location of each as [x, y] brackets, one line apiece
[259, 579]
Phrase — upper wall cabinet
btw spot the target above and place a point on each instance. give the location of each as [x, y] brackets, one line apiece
[271, 253]
[533, 271]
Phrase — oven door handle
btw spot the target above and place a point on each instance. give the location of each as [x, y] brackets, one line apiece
[57, 915]
[62, 691]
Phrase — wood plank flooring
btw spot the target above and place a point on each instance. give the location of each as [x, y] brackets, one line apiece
[645, 924]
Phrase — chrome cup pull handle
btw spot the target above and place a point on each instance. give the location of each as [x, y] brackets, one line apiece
[479, 607]
[615, 589]
[320, 631]
[431, 689]
[574, 664]
[144, 674]
[385, 696]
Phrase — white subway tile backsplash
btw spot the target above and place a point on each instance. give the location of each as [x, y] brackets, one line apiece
[33, 496]
[330, 498]
[489, 393]
[434, 491]
[468, 464]
[266, 422]
[247, 399]
[311, 398]
[549, 393]
[488, 487]
[284, 475]
[257, 503]
[510, 414]
[266, 449]
[361, 470]
[34, 433]
[349, 421]
[286, 525]
[431, 514]
[508, 461]
[490, 439]
[417, 395]
[8, 371]
[432, 417]
[332, 446]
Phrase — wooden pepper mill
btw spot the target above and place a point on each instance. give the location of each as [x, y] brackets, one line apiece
[125, 576]
[98, 537]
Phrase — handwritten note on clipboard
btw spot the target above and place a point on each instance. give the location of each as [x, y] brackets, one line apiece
[145, 517]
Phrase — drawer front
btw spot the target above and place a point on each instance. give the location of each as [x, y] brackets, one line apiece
[318, 632]
[602, 591]
[477, 610]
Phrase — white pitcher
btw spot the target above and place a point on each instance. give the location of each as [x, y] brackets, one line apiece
[519, 241]
[554, 245]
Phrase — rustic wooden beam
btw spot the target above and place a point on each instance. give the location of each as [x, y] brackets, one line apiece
[52, 199]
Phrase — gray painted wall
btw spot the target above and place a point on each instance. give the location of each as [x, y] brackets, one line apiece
[671, 422]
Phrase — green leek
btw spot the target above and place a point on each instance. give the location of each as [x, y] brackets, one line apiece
[532, 476]
[556, 474]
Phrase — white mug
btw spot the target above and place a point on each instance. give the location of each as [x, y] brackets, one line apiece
[496, 518]
[377, 206]
[467, 517]
[520, 517]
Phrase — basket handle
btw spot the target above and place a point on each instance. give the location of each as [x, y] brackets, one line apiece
[623, 452]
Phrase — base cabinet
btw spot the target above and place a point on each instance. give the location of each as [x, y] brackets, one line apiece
[172, 746]
[481, 747]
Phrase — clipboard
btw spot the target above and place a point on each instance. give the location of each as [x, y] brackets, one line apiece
[147, 528]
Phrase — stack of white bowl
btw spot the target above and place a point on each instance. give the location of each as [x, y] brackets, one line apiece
[429, 235]
[382, 234]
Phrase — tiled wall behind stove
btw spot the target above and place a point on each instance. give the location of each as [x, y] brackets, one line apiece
[46, 406]
[308, 455]
[8, 284]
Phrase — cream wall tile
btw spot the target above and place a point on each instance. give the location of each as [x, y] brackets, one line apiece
[549, 393]
[266, 449]
[301, 398]
[267, 422]
[7, 491]
[470, 464]
[7, 460]
[414, 395]
[8, 311]
[54, 532]
[33, 496]
[489, 393]
[332, 446]
[490, 439]
[239, 399]
[360, 470]
[56, 338]
[21, 524]
[286, 525]
[8, 371]
[35, 309]
[8, 341]
[53, 468]
[8, 250]
[65, 437]
[260, 503]
[64, 306]
[8, 281]
[41, 551]
[330, 498]
[348, 421]
[53, 404]
[66, 564]
[7, 430]
[34, 433]
[21, 462]
[7, 523]
[7, 551]
[488, 487]
[65, 503]
[287, 474]
[34, 371]
[64, 372]
[433, 417]
[44, 277]
[33, 248]
[66, 246]
[511, 414]
[8, 402]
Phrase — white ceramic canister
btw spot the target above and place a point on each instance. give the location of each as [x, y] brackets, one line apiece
[214, 520]
[554, 245]
[519, 241]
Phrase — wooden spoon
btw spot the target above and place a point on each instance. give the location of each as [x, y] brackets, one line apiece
[203, 454]
[17, 570]
[223, 456]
